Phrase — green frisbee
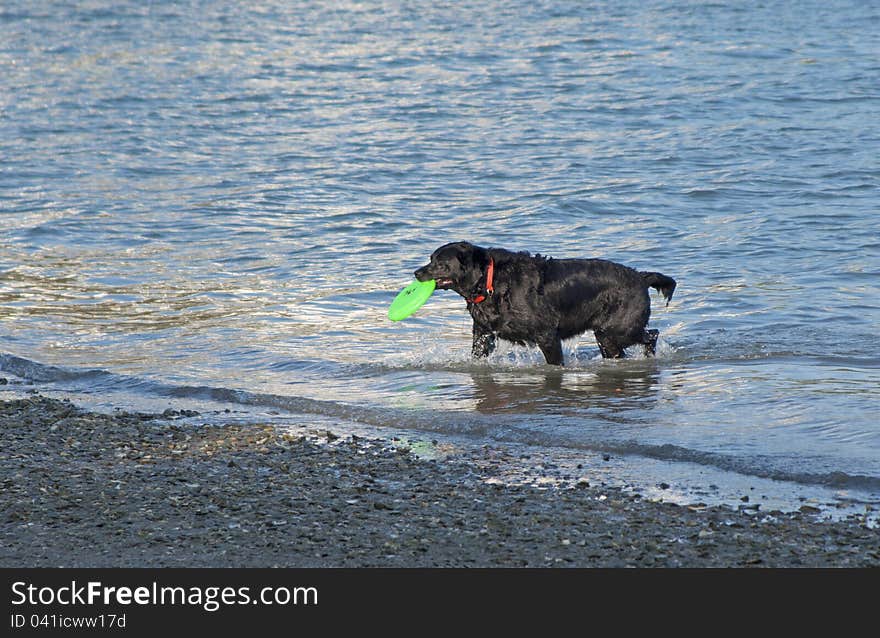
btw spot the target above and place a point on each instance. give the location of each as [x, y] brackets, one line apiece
[411, 299]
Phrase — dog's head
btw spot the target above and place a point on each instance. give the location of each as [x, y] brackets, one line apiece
[458, 266]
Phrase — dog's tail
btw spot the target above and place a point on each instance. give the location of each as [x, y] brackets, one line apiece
[663, 284]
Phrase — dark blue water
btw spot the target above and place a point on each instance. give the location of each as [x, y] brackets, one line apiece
[210, 202]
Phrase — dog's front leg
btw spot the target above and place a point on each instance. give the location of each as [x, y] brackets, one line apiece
[551, 346]
[484, 342]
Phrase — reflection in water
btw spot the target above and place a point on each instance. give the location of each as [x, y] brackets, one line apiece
[611, 387]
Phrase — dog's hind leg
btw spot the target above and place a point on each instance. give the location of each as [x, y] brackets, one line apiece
[608, 346]
[551, 346]
[649, 339]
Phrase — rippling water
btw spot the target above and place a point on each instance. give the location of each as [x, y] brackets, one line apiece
[216, 202]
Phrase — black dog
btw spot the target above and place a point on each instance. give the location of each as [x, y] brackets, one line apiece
[540, 300]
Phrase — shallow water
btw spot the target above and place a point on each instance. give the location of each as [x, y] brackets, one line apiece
[214, 205]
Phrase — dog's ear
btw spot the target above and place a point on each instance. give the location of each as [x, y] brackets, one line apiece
[471, 256]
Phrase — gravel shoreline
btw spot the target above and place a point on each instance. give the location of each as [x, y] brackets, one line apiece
[82, 489]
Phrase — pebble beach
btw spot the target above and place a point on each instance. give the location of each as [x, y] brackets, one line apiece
[86, 489]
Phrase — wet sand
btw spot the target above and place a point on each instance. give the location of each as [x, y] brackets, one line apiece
[82, 489]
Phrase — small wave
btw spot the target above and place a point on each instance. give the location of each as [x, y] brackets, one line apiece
[668, 452]
[42, 373]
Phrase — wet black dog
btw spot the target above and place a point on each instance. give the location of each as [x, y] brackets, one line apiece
[530, 299]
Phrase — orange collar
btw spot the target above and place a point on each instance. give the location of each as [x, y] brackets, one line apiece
[490, 276]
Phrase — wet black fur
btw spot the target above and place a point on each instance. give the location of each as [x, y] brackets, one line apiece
[542, 301]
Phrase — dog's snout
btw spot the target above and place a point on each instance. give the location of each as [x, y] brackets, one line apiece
[422, 274]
